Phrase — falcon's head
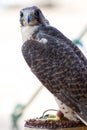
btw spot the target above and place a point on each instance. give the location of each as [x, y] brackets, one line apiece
[32, 16]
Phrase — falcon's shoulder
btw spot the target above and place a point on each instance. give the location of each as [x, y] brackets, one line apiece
[53, 32]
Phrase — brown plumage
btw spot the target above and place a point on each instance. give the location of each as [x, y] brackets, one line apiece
[55, 60]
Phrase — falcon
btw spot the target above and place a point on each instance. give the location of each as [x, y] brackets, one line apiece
[56, 61]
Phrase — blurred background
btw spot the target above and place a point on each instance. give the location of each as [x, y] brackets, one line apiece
[21, 94]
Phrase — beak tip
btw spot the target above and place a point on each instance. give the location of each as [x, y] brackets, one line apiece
[28, 18]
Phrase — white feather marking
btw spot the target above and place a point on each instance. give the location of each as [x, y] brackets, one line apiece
[43, 40]
[66, 110]
[27, 32]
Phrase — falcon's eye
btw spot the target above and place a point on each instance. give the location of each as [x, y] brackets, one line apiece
[21, 14]
[37, 12]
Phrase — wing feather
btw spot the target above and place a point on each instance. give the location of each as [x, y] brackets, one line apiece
[58, 35]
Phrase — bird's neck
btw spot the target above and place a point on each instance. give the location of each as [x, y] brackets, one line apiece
[27, 32]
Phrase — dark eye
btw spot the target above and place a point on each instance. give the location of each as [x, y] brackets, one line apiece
[21, 14]
[37, 12]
